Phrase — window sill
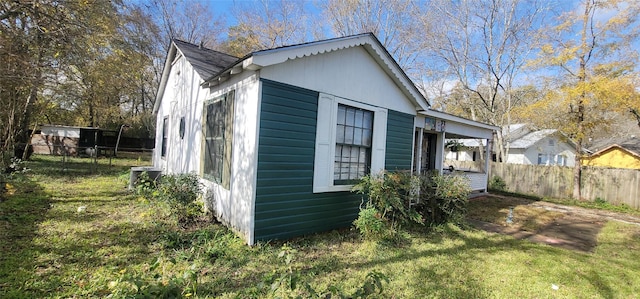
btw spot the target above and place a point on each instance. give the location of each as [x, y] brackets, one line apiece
[338, 188]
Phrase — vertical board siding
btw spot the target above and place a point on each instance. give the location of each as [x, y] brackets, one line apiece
[399, 141]
[285, 204]
[615, 185]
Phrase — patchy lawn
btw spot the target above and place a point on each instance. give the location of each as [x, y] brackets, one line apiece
[77, 236]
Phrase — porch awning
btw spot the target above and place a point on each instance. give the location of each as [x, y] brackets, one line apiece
[457, 127]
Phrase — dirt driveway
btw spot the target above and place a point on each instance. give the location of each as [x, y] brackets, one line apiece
[568, 227]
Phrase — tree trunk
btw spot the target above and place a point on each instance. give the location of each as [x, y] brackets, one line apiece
[22, 133]
[585, 51]
[499, 148]
[577, 172]
[91, 114]
[636, 114]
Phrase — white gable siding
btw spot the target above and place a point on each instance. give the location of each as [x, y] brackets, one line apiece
[183, 97]
[349, 73]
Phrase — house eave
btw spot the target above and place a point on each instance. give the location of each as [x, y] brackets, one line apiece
[462, 120]
[260, 59]
[168, 63]
[602, 151]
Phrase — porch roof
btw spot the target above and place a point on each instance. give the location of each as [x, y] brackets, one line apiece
[461, 128]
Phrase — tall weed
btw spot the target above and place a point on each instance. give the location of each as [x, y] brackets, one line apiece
[181, 192]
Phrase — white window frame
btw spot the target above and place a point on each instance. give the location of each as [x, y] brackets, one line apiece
[164, 144]
[562, 160]
[323, 171]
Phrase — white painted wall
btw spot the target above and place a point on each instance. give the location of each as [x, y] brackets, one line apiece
[461, 155]
[60, 131]
[184, 97]
[349, 73]
[516, 156]
[236, 206]
[559, 147]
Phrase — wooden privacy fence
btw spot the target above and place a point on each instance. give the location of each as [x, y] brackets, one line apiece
[616, 186]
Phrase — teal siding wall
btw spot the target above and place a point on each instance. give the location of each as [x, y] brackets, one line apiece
[399, 141]
[285, 203]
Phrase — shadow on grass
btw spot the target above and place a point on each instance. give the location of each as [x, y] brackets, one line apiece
[20, 215]
[40, 269]
[48, 247]
[453, 278]
[56, 167]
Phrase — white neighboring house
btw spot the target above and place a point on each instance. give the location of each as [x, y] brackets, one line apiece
[464, 149]
[542, 147]
[526, 146]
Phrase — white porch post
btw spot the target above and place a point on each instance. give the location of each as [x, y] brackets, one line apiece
[419, 153]
[442, 154]
[487, 170]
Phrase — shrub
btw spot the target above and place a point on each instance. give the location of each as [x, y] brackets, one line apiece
[181, 192]
[443, 198]
[371, 224]
[497, 183]
[397, 199]
[391, 194]
[145, 186]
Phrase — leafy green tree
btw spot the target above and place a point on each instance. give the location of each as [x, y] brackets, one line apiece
[37, 41]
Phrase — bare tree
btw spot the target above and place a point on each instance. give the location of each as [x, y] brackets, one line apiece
[267, 24]
[388, 19]
[481, 46]
[191, 21]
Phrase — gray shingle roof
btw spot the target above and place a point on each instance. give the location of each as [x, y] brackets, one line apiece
[205, 61]
[530, 139]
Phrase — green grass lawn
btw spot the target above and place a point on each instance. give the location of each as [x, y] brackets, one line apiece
[122, 245]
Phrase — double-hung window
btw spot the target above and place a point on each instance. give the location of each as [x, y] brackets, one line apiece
[354, 133]
[350, 143]
[218, 135]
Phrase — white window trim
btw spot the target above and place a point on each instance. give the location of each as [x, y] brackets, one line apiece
[323, 171]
